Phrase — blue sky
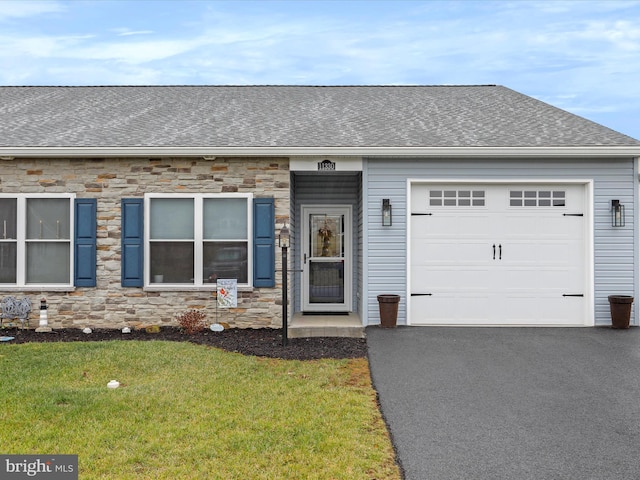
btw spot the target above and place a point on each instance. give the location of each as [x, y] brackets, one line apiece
[581, 56]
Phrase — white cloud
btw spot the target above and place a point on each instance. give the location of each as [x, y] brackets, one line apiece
[22, 9]
[124, 32]
[38, 47]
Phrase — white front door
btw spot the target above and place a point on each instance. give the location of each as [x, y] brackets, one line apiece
[326, 259]
[511, 254]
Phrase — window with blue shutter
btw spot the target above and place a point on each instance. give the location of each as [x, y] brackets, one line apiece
[264, 261]
[132, 242]
[219, 239]
[85, 242]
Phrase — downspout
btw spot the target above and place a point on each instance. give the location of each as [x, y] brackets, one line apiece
[636, 243]
[363, 301]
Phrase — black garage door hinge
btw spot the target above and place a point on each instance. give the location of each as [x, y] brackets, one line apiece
[573, 295]
[418, 214]
[573, 214]
[421, 294]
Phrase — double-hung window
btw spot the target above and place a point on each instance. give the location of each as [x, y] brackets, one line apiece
[36, 241]
[194, 239]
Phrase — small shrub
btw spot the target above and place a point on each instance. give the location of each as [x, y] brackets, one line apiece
[192, 321]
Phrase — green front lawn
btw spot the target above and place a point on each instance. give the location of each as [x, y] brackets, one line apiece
[185, 411]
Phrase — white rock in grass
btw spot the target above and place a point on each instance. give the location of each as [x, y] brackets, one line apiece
[86, 330]
[216, 327]
[126, 330]
[113, 384]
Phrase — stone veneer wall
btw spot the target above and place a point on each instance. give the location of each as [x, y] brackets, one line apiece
[109, 305]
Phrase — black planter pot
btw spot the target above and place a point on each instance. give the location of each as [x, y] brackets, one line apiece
[620, 306]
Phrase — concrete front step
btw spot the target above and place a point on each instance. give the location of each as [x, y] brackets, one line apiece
[303, 326]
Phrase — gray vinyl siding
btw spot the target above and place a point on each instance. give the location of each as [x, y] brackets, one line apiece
[615, 249]
[327, 189]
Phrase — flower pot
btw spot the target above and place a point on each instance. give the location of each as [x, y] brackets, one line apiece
[620, 306]
[388, 305]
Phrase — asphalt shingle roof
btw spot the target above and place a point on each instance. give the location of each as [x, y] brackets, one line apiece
[290, 116]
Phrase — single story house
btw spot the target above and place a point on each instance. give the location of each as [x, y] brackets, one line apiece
[477, 205]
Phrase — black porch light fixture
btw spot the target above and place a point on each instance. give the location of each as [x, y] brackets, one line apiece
[386, 213]
[617, 214]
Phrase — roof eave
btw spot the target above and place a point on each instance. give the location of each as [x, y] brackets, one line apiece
[480, 152]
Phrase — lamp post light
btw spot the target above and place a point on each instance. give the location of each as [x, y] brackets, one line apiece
[283, 242]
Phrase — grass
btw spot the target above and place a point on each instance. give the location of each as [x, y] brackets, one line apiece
[185, 411]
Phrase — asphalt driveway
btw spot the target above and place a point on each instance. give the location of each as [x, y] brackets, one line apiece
[510, 403]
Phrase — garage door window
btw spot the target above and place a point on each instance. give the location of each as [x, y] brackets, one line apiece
[456, 198]
[537, 198]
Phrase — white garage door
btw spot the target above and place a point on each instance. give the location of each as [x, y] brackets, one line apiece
[498, 255]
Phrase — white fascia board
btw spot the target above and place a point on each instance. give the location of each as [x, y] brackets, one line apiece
[479, 152]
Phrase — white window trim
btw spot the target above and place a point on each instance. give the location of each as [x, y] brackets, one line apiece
[198, 284]
[21, 267]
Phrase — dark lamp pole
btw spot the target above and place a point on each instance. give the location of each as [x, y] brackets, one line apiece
[283, 242]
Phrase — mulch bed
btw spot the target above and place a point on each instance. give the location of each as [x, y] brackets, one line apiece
[265, 342]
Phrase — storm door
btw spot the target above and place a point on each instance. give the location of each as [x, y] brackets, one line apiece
[326, 262]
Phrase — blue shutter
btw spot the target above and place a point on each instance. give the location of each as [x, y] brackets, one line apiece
[264, 243]
[132, 242]
[85, 212]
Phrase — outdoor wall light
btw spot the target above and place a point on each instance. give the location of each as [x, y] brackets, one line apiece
[283, 237]
[386, 212]
[617, 214]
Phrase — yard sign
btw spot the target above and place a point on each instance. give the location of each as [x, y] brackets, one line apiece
[227, 293]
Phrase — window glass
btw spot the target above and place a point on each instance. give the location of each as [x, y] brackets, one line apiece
[172, 218]
[537, 198]
[8, 259]
[459, 198]
[48, 218]
[225, 260]
[225, 218]
[48, 262]
[195, 239]
[35, 240]
[8, 217]
[8, 245]
[558, 199]
[172, 262]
